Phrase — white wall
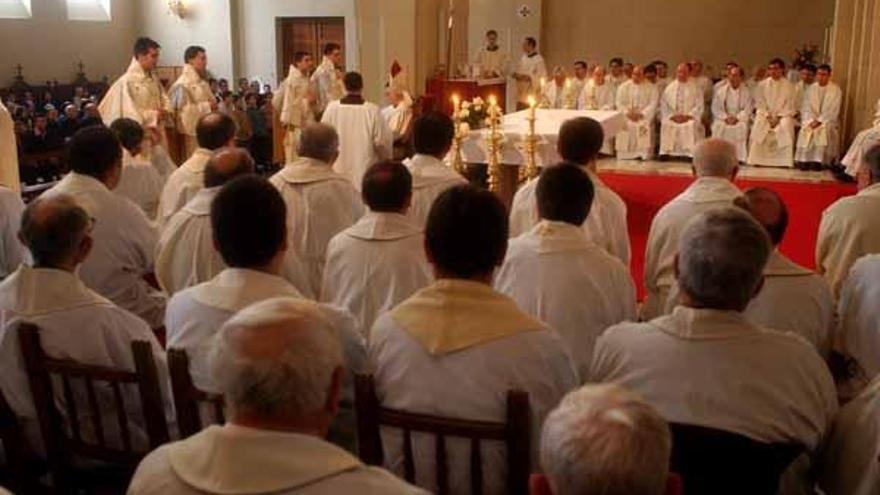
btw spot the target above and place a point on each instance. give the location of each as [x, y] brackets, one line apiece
[48, 46]
[207, 23]
[254, 28]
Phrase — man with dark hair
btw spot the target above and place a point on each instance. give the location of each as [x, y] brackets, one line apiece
[491, 59]
[186, 252]
[579, 141]
[140, 181]
[364, 136]
[140, 96]
[379, 261]
[529, 73]
[125, 240]
[462, 344]
[214, 131]
[581, 77]
[616, 77]
[75, 322]
[818, 142]
[292, 102]
[320, 202]
[432, 139]
[771, 141]
[557, 275]
[192, 97]
[327, 78]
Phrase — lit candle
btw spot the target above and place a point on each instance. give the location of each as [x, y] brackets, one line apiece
[543, 83]
[532, 104]
[456, 102]
[493, 106]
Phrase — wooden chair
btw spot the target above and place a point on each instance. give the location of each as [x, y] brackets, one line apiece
[188, 398]
[721, 462]
[22, 469]
[64, 440]
[514, 433]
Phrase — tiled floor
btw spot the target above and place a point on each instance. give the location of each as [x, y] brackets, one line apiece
[652, 167]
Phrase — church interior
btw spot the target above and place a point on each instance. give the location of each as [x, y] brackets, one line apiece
[439, 246]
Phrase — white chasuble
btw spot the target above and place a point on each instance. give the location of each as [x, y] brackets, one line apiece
[364, 138]
[8, 151]
[291, 102]
[854, 160]
[773, 146]
[680, 139]
[820, 144]
[732, 103]
[636, 140]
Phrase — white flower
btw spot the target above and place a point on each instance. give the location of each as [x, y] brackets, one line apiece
[464, 128]
[465, 104]
[464, 114]
[478, 108]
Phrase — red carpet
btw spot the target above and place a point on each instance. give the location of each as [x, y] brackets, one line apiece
[645, 194]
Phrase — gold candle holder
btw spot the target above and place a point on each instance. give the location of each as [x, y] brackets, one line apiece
[494, 142]
[570, 96]
[457, 138]
[530, 171]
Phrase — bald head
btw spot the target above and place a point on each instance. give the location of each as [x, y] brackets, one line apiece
[766, 206]
[55, 229]
[215, 130]
[319, 142]
[715, 158]
[226, 164]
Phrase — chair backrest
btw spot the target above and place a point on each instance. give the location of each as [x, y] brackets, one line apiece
[514, 432]
[719, 462]
[188, 398]
[66, 439]
[16, 470]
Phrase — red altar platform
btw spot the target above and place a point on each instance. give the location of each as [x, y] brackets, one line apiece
[439, 91]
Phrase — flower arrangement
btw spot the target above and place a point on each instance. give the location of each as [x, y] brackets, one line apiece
[475, 113]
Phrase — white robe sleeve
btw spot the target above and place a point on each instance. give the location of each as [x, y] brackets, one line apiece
[383, 138]
[831, 108]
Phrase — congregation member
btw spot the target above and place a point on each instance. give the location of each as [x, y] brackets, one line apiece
[605, 439]
[772, 138]
[857, 338]
[293, 102]
[124, 239]
[140, 181]
[41, 138]
[715, 168]
[327, 79]
[555, 94]
[491, 58]
[556, 274]
[214, 131]
[864, 140]
[68, 123]
[433, 133]
[364, 136]
[529, 73]
[280, 371]
[579, 142]
[186, 255]
[191, 96]
[9, 174]
[320, 202]
[378, 262]
[75, 322]
[850, 228]
[638, 100]
[681, 113]
[459, 331]
[12, 253]
[818, 142]
[732, 108]
[765, 385]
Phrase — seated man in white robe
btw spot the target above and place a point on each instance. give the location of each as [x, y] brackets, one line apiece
[818, 142]
[557, 275]
[715, 167]
[850, 228]
[125, 240]
[140, 181]
[320, 202]
[432, 139]
[186, 252]
[806, 77]
[556, 93]
[293, 101]
[772, 138]
[280, 371]
[364, 136]
[590, 440]
[456, 347]
[12, 253]
[732, 112]
[214, 131]
[191, 96]
[617, 75]
[377, 263]
[759, 73]
[681, 113]
[638, 100]
[579, 142]
[597, 93]
[849, 460]
[857, 339]
[742, 378]
[580, 79]
[75, 322]
[865, 140]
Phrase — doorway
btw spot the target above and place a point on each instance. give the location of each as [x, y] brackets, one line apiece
[306, 34]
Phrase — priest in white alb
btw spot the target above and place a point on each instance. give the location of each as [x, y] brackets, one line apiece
[599, 94]
[292, 102]
[854, 160]
[579, 143]
[377, 263]
[12, 253]
[681, 113]
[772, 139]
[492, 60]
[638, 100]
[327, 78]
[364, 136]
[732, 112]
[529, 73]
[557, 275]
[856, 338]
[140, 181]
[191, 96]
[8, 151]
[556, 93]
[819, 140]
[398, 114]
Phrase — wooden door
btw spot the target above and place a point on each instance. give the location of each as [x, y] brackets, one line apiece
[306, 34]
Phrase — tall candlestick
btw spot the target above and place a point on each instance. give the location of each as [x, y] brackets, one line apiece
[457, 137]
